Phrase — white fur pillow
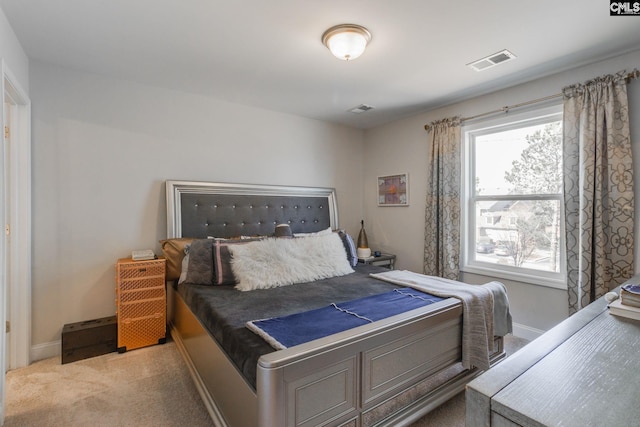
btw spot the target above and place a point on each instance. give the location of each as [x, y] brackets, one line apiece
[272, 263]
[317, 233]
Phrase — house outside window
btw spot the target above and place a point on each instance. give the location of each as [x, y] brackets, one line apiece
[513, 215]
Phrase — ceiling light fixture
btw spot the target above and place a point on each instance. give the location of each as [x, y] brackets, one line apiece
[346, 41]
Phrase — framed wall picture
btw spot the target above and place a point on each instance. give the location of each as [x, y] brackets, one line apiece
[393, 190]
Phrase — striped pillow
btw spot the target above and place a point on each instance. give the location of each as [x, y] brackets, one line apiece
[223, 274]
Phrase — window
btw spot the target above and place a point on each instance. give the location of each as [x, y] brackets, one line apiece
[513, 186]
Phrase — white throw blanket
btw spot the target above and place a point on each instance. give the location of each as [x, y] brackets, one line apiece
[477, 306]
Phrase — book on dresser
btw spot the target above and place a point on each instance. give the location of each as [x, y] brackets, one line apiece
[617, 308]
[142, 255]
[630, 295]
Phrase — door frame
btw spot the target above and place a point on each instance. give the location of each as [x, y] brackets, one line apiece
[18, 246]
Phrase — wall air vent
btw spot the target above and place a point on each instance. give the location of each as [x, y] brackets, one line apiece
[362, 108]
[492, 60]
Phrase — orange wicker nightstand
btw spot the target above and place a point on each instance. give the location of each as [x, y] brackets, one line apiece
[141, 303]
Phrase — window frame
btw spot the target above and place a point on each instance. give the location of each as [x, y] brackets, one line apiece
[469, 262]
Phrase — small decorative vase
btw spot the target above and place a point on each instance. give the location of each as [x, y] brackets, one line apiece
[363, 243]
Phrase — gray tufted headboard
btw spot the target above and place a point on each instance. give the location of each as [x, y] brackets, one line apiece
[203, 209]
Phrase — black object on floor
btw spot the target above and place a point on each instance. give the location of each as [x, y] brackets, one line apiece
[90, 338]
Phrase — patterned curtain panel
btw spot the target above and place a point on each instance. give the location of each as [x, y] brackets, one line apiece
[598, 188]
[442, 215]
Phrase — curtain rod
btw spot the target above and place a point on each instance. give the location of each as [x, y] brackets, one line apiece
[632, 75]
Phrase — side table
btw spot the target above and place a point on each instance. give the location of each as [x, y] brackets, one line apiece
[141, 303]
[384, 260]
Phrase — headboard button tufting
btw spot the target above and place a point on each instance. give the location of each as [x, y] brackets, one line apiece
[229, 215]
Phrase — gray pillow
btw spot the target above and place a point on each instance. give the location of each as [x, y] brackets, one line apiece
[200, 267]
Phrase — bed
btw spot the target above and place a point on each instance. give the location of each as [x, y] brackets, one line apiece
[386, 373]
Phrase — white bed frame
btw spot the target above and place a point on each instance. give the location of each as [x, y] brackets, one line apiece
[388, 373]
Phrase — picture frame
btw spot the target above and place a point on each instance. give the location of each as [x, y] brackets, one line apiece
[393, 190]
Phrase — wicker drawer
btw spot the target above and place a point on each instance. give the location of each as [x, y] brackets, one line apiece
[140, 269]
[141, 303]
[143, 308]
[142, 332]
[142, 283]
[143, 294]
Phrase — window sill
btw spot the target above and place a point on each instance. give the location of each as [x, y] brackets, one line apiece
[541, 279]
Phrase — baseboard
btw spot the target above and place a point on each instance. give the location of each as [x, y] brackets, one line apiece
[526, 332]
[46, 350]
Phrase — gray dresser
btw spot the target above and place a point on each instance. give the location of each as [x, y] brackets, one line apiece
[583, 372]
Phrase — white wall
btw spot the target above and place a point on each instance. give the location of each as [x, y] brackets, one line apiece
[402, 147]
[102, 149]
[12, 54]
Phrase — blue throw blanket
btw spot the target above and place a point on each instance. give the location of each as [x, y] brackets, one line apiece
[294, 329]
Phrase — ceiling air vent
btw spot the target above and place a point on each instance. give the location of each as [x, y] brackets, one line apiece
[492, 60]
[361, 108]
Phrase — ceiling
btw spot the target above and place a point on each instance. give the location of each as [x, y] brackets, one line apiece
[268, 53]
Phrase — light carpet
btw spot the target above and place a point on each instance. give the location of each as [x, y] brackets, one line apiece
[145, 387]
[451, 413]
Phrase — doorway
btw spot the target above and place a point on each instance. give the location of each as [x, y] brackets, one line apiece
[15, 240]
